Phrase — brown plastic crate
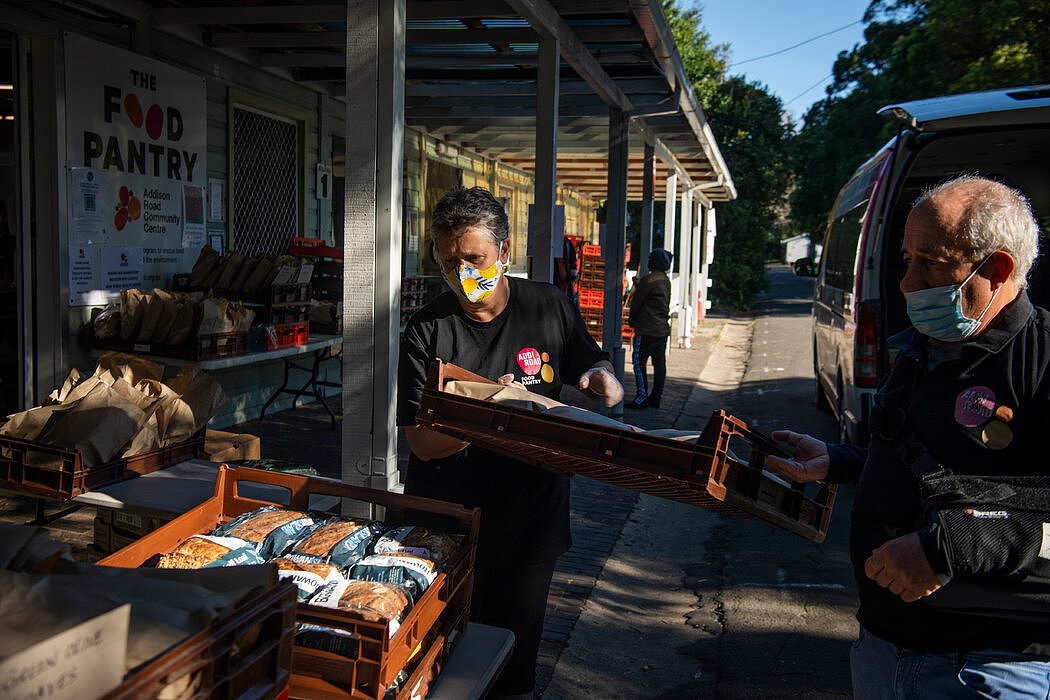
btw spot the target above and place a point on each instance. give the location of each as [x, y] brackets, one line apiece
[722, 471]
[57, 472]
[316, 673]
[216, 345]
[248, 653]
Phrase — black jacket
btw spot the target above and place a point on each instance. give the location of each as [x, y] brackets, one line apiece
[951, 409]
[650, 304]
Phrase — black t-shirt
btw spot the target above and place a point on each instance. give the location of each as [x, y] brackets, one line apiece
[541, 339]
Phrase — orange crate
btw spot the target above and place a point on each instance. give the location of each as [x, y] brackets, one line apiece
[218, 658]
[379, 657]
[722, 471]
[288, 336]
[591, 251]
[590, 299]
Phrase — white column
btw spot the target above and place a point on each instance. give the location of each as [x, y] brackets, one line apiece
[685, 236]
[709, 255]
[645, 244]
[375, 119]
[694, 266]
[670, 200]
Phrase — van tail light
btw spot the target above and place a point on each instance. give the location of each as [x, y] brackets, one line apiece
[866, 348]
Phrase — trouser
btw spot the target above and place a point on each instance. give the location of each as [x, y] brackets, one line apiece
[884, 671]
[514, 598]
[646, 347]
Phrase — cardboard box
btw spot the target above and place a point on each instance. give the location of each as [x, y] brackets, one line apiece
[224, 447]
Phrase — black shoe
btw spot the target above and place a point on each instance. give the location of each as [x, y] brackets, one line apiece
[635, 404]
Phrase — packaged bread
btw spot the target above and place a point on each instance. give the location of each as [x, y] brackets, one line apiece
[421, 541]
[270, 528]
[375, 601]
[307, 576]
[339, 540]
[207, 551]
[414, 574]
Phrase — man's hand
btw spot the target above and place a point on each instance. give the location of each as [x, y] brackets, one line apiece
[600, 381]
[901, 566]
[810, 463]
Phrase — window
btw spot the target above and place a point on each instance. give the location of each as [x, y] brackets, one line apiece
[265, 182]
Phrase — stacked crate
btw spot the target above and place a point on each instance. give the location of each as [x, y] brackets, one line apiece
[592, 289]
[592, 294]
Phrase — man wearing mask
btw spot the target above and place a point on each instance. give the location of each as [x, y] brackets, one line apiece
[513, 331]
[949, 541]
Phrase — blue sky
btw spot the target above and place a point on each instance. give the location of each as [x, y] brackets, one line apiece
[754, 28]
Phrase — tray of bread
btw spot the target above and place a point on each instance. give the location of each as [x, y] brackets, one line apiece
[721, 468]
[376, 591]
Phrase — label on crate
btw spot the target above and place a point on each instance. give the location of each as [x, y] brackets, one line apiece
[130, 520]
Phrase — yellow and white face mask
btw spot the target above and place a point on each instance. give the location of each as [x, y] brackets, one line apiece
[473, 284]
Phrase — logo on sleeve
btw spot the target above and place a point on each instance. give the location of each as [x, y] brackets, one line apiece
[974, 406]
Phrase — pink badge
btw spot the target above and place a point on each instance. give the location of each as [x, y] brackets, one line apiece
[974, 406]
[529, 360]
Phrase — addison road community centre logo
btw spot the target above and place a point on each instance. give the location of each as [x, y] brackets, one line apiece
[533, 363]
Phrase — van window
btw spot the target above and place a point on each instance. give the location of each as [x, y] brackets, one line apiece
[840, 253]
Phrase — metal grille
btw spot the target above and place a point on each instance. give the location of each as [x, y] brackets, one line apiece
[265, 182]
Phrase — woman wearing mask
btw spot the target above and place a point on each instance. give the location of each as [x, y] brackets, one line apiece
[510, 330]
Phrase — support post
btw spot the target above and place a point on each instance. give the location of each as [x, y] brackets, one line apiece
[615, 241]
[375, 121]
[710, 226]
[685, 309]
[695, 263]
[645, 244]
[542, 228]
[670, 202]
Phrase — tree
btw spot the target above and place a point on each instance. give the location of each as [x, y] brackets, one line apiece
[912, 49]
[753, 136]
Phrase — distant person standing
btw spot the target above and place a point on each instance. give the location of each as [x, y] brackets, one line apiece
[649, 316]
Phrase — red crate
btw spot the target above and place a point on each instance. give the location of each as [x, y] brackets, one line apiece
[288, 336]
[591, 299]
[223, 658]
[379, 656]
[591, 251]
[313, 248]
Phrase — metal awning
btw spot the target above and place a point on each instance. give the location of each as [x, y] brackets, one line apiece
[471, 76]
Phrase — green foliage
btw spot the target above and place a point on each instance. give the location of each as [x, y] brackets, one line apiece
[912, 49]
[753, 137]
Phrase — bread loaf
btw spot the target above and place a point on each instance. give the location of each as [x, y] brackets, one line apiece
[201, 551]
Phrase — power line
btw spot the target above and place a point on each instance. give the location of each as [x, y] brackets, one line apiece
[795, 46]
[808, 89]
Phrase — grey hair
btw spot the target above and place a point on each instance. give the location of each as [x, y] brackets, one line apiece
[462, 208]
[997, 218]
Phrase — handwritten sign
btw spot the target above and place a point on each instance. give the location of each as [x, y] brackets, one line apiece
[86, 661]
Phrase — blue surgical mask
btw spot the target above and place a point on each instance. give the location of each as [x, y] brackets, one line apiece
[937, 312]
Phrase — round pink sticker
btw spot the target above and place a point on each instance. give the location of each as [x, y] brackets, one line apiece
[974, 406]
[529, 361]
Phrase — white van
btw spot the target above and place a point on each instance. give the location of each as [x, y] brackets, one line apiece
[1001, 134]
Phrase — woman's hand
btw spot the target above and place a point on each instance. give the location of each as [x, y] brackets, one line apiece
[810, 463]
[600, 381]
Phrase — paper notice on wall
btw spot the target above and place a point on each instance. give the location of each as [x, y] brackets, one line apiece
[121, 267]
[84, 286]
[194, 233]
[85, 661]
[86, 188]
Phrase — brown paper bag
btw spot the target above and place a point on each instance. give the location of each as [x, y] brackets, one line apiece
[130, 313]
[231, 265]
[166, 309]
[131, 367]
[214, 317]
[98, 425]
[256, 281]
[206, 263]
[184, 323]
[200, 397]
[245, 271]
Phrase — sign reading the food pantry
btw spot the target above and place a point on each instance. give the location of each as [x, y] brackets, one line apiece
[140, 125]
